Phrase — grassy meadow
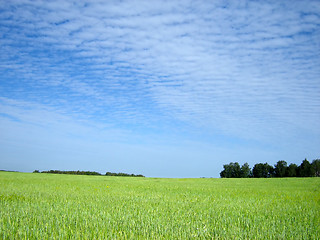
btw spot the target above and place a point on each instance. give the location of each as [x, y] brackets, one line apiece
[49, 206]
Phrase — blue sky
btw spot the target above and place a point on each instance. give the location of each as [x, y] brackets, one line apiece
[161, 88]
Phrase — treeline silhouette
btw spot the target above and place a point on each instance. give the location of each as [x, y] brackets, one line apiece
[71, 172]
[264, 170]
[89, 173]
[123, 174]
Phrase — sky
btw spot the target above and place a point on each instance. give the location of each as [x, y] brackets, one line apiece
[159, 88]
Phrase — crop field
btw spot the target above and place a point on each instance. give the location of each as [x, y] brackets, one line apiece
[49, 206]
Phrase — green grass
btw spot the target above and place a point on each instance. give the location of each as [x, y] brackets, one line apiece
[45, 206]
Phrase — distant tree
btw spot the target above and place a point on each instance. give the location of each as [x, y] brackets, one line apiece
[305, 169]
[226, 172]
[231, 170]
[72, 172]
[236, 170]
[280, 169]
[36, 171]
[262, 170]
[259, 170]
[245, 171]
[123, 174]
[315, 165]
[292, 170]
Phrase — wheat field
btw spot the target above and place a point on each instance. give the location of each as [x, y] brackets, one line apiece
[49, 206]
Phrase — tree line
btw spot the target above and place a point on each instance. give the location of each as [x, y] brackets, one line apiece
[89, 173]
[123, 174]
[264, 170]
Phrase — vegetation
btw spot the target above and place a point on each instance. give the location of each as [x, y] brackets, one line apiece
[50, 206]
[89, 173]
[71, 172]
[264, 170]
[123, 174]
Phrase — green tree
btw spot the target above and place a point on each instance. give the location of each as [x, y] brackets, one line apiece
[292, 170]
[280, 168]
[236, 170]
[315, 165]
[262, 170]
[305, 169]
[231, 170]
[226, 172]
[245, 171]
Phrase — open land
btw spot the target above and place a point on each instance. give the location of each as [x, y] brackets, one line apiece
[49, 206]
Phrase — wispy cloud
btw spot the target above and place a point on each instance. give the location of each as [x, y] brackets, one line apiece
[243, 69]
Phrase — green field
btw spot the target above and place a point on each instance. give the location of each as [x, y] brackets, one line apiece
[48, 206]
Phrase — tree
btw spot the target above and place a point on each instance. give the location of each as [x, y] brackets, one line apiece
[236, 170]
[123, 174]
[305, 169]
[280, 168]
[315, 165]
[231, 170]
[262, 170]
[226, 172]
[72, 172]
[292, 170]
[245, 171]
